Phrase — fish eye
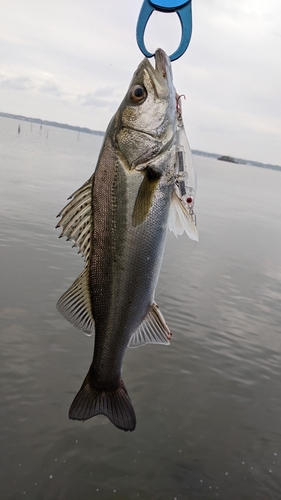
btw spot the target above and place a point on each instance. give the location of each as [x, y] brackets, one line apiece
[138, 93]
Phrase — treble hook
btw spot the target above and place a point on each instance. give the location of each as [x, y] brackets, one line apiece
[178, 104]
[183, 10]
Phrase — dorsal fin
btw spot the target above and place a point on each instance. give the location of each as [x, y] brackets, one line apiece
[75, 304]
[76, 219]
[76, 223]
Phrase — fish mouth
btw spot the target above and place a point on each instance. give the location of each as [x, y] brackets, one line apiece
[163, 63]
[161, 76]
[164, 68]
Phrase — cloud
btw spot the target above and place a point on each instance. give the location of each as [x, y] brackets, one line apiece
[96, 99]
[16, 83]
[51, 88]
[92, 100]
[104, 91]
[33, 83]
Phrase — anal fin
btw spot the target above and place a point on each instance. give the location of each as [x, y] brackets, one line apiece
[152, 330]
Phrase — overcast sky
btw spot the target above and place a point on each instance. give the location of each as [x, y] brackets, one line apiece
[72, 61]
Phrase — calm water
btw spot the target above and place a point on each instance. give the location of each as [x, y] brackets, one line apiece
[208, 406]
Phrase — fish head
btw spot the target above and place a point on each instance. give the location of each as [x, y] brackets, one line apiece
[146, 121]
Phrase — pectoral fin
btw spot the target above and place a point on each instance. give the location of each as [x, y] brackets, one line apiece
[145, 196]
[152, 330]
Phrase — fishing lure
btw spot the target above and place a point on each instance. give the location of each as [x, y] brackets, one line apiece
[185, 178]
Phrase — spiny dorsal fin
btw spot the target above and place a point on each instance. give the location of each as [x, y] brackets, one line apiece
[75, 304]
[152, 330]
[76, 219]
[180, 220]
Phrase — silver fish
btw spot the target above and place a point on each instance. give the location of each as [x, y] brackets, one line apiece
[119, 220]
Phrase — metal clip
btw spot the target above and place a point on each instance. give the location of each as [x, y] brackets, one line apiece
[183, 10]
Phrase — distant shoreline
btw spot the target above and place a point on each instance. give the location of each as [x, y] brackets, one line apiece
[101, 133]
[52, 124]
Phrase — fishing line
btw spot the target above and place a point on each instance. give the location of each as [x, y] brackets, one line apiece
[183, 266]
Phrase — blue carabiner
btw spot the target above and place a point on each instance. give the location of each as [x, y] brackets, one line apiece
[183, 10]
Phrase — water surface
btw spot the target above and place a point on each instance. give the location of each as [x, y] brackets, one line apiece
[208, 406]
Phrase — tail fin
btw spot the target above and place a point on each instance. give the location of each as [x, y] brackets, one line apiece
[116, 405]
